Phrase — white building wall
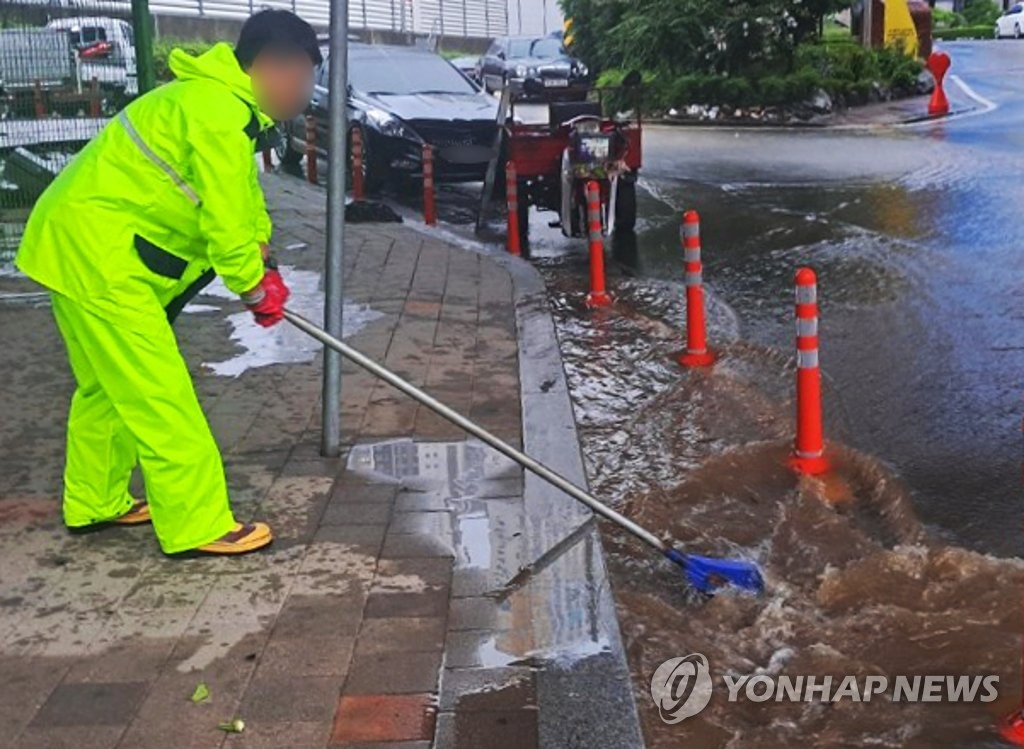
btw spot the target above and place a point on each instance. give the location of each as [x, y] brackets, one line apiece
[534, 17]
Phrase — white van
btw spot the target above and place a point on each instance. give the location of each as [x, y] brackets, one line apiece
[106, 50]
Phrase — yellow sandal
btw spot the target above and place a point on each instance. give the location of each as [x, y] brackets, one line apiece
[137, 515]
[243, 539]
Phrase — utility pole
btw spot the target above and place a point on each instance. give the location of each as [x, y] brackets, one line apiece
[142, 27]
[330, 443]
[866, 23]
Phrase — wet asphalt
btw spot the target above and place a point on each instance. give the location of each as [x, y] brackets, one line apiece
[916, 234]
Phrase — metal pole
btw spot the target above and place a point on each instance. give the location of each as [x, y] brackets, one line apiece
[866, 22]
[333, 343]
[142, 27]
[330, 443]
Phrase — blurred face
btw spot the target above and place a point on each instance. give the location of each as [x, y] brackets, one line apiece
[283, 84]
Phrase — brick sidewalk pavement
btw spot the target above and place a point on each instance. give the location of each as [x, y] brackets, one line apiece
[380, 616]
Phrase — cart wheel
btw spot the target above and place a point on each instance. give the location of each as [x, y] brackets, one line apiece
[524, 220]
[625, 204]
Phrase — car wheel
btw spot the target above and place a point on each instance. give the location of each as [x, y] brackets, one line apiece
[290, 159]
[374, 173]
[625, 204]
[1016, 31]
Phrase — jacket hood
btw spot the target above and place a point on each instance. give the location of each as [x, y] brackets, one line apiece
[218, 64]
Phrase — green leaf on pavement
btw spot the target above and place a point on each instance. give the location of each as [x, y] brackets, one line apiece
[202, 692]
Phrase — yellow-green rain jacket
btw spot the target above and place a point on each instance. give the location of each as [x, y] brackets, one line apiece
[162, 199]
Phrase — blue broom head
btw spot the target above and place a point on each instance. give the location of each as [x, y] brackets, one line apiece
[711, 575]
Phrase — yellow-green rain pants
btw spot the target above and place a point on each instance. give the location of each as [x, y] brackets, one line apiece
[135, 403]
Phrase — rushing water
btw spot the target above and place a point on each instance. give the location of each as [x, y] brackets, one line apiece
[904, 560]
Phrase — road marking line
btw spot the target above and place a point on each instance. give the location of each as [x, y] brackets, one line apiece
[988, 105]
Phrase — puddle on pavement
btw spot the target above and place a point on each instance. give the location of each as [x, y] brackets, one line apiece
[544, 608]
[282, 344]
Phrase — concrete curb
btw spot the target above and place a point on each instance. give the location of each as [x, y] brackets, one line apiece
[584, 693]
[820, 125]
[584, 701]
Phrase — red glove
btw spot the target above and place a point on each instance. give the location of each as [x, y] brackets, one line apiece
[266, 301]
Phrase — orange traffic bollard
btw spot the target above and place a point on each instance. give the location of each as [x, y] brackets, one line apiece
[311, 156]
[598, 296]
[358, 185]
[512, 195]
[809, 449]
[697, 353]
[429, 207]
[1012, 727]
[938, 64]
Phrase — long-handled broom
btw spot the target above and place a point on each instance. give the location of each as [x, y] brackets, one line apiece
[705, 574]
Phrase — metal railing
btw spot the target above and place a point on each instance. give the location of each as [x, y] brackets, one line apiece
[61, 78]
[465, 18]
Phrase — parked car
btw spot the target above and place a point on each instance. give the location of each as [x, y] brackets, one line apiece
[543, 60]
[1011, 23]
[106, 48]
[467, 66]
[403, 97]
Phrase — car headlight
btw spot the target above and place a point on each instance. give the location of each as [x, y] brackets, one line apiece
[532, 72]
[583, 69]
[521, 71]
[389, 125]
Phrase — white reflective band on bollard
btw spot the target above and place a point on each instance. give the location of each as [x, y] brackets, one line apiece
[807, 327]
[806, 294]
[807, 359]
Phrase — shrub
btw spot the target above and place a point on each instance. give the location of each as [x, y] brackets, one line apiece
[981, 13]
[772, 90]
[162, 48]
[737, 92]
[964, 32]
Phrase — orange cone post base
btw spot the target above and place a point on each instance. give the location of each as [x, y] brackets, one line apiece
[1011, 728]
[810, 466]
[688, 359]
[598, 299]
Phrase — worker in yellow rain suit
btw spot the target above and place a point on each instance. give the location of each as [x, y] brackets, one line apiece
[163, 199]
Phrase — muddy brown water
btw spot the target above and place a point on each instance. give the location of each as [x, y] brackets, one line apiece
[856, 584]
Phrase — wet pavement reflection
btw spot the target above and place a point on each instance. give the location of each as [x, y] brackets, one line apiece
[537, 571]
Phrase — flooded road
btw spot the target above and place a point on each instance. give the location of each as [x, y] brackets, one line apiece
[906, 559]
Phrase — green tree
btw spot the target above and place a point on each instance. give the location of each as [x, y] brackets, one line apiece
[729, 37]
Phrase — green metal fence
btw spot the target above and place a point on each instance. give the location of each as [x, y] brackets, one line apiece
[64, 71]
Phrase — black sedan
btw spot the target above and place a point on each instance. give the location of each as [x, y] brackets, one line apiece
[402, 98]
[514, 60]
